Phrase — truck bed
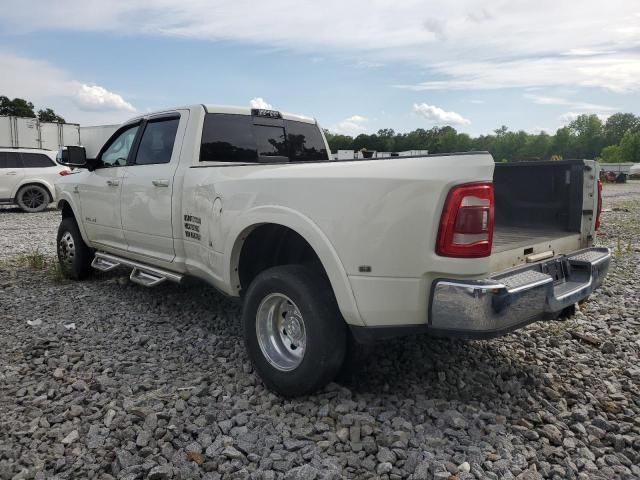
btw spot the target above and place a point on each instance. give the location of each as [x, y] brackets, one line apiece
[507, 238]
[538, 208]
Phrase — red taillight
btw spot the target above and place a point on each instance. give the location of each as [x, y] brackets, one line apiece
[466, 225]
[64, 173]
[599, 211]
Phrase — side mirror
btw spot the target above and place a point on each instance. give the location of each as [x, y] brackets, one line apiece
[72, 156]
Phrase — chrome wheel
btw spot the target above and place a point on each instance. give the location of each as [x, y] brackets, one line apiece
[66, 248]
[33, 198]
[281, 333]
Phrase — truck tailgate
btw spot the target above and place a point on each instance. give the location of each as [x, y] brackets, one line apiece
[542, 209]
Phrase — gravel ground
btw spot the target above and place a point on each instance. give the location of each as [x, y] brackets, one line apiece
[22, 233]
[111, 380]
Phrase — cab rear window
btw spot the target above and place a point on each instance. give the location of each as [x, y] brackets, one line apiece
[305, 142]
[228, 138]
[271, 142]
[237, 138]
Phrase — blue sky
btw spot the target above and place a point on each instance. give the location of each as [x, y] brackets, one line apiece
[357, 67]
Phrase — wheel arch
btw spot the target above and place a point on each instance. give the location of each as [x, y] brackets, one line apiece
[277, 224]
[68, 209]
[39, 183]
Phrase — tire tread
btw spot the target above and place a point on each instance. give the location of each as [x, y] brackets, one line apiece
[81, 267]
[319, 306]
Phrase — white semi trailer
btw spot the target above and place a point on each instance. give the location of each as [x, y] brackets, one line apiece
[93, 138]
[21, 132]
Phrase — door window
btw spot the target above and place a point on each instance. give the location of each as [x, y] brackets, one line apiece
[36, 160]
[156, 145]
[117, 152]
[10, 160]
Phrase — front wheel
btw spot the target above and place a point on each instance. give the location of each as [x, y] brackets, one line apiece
[33, 198]
[293, 330]
[74, 256]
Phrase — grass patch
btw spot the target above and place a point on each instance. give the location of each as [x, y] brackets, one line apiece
[36, 260]
[57, 272]
[622, 249]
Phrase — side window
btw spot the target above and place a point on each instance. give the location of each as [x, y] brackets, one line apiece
[228, 138]
[156, 145]
[305, 142]
[117, 152]
[10, 160]
[36, 160]
[271, 143]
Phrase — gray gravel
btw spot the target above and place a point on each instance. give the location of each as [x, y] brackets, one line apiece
[22, 233]
[112, 380]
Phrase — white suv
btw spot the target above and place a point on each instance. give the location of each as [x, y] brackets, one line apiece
[27, 177]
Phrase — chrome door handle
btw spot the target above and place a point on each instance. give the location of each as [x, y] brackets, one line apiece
[113, 183]
[160, 183]
[12, 173]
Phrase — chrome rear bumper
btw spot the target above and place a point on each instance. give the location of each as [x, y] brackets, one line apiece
[511, 299]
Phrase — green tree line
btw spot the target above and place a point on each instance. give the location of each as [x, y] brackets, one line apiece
[615, 140]
[19, 107]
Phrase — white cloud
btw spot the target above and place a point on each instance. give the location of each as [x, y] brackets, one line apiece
[95, 97]
[459, 44]
[49, 86]
[569, 117]
[586, 52]
[353, 126]
[357, 119]
[438, 116]
[259, 102]
[573, 104]
[616, 72]
[31, 78]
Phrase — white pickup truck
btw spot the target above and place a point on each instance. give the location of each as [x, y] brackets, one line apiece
[325, 252]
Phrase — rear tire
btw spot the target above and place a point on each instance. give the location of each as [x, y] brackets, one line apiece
[74, 256]
[293, 330]
[33, 198]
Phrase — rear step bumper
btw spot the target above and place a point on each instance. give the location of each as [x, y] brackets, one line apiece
[511, 299]
[505, 301]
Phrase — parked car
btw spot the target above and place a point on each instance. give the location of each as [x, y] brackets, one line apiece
[613, 177]
[327, 251]
[27, 177]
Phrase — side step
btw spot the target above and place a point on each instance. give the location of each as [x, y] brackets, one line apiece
[141, 274]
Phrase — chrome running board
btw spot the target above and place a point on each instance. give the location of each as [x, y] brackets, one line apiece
[141, 274]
